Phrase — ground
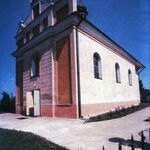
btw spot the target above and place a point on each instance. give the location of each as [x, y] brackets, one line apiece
[77, 135]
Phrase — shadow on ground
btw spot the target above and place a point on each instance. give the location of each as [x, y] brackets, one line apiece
[137, 144]
[19, 140]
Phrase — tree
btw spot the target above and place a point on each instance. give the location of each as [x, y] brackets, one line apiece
[7, 103]
[143, 92]
[142, 89]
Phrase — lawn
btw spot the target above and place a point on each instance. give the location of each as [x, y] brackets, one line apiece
[18, 140]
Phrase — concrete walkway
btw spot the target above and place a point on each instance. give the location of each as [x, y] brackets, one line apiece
[76, 135]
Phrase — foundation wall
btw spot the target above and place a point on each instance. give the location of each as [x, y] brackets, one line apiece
[95, 109]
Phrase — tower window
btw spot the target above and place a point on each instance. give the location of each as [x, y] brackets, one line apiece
[36, 30]
[35, 61]
[36, 11]
[62, 13]
[45, 23]
[97, 66]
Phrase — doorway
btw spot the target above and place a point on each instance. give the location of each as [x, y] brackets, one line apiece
[33, 103]
[36, 100]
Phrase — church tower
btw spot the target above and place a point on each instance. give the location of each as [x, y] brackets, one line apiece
[44, 59]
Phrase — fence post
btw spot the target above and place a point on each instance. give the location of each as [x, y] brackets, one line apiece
[142, 140]
[132, 142]
[120, 146]
[103, 148]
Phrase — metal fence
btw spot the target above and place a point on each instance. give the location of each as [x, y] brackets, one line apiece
[144, 143]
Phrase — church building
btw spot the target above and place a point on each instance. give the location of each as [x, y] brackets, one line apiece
[67, 67]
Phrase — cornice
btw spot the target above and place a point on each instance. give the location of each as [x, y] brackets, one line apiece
[73, 20]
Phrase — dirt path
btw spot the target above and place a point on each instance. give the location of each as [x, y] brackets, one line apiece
[76, 135]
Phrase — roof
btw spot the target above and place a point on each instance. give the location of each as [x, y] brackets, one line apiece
[120, 49]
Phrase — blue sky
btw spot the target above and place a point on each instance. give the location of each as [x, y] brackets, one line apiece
[127, 22]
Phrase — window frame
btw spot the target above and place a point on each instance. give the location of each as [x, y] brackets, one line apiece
[36, 60]
[130, 77]
[34, 15]
[117, 73]
[97, 66]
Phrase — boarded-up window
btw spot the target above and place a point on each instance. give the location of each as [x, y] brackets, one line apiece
[36, 30]
[36, 11]
[63, 71]
[62, 13]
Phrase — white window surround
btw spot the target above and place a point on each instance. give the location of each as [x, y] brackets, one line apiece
[117, 73]
[97, 66]
[130, 77]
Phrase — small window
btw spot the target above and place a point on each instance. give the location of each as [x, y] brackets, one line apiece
[97, 66]
[45, 23]
[27, 36]
[20, 43]
[36, 11]
[130, 77]
[36, 30]
[35, 66]
[117, 71]
[62, 13]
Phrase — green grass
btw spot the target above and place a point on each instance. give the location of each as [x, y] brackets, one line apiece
[118, 113]
[18, 140]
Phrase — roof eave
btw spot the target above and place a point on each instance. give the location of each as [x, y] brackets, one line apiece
[138, 64]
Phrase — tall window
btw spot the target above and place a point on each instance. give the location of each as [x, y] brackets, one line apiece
[45, 23]
[117, 71]
[97, 66]
[130, 77]
[35, 66]
[36, 11]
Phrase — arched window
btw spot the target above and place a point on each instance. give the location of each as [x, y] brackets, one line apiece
[35, 65]
[97, 66]
[130, 77]
[117, 71]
